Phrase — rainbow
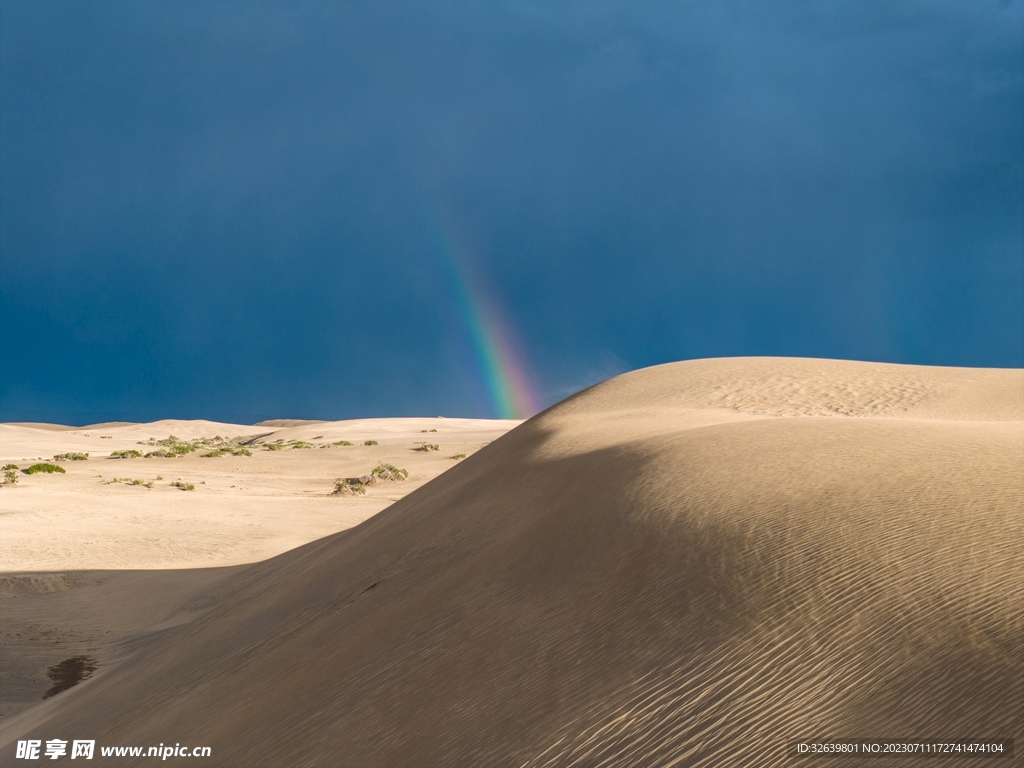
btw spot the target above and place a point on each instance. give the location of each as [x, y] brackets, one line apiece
[494, 346]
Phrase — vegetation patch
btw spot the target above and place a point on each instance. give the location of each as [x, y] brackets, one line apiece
[71, 457]
[10, 476]
[300, 444]
[129, 454]
[234, 450]
[172, 446]
[389, 473]
[273, 446]
[69, 673]
[426, 447]
[47, 468]
[130, 481]
[370, 442]
[382, 473]
[348, 487]
[183, 486]
[341, 442]
[459, 456]
[10, 466]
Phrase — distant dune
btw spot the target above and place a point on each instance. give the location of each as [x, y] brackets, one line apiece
[691, 564]
[287, 422]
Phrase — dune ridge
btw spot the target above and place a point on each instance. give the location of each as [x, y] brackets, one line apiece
[687, 565]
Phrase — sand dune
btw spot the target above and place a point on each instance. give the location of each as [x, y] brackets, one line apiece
[72, 546]
[687, 565]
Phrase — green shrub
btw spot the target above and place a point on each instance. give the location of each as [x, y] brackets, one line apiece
[273, 446]
[47, 468]
[130, 454]
[183, 486]
[71, 457]
[459, 456]
[429, 447]
[348, 488]
[10, 476]
[389, 472]
[234, 450]
[342, 442]
[10, 466]
[370, 442]
[301, 444]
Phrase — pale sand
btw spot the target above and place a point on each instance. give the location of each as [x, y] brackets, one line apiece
[243, 509]
[686, 565]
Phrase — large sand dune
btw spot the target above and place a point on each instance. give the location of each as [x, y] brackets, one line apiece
[687, 565]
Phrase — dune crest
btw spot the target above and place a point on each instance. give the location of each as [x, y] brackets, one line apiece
[687, 565]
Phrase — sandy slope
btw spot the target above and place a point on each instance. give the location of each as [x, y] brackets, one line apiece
[686, 565]
[71, 545]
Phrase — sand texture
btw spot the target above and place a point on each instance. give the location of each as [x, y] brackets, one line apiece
[691, 564]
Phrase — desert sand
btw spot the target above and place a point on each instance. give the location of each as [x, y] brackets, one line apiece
[86, 554]
[692, 564]
[243, 508]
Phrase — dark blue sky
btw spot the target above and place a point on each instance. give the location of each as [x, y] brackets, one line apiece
[230, 209]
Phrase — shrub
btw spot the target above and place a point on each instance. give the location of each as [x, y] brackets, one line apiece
[130, 454]
[10, 466]
[183, 486]
[459, 456]
[389, 473]
[10, 476]
[342, 442]
[273, 446]
[370, 442]
[232, 449]
[47, 468]
[71, 457]
[429, 447]
[130, 481]
[433, 430]
[317, 437]
[301, 444]
[348, 487]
